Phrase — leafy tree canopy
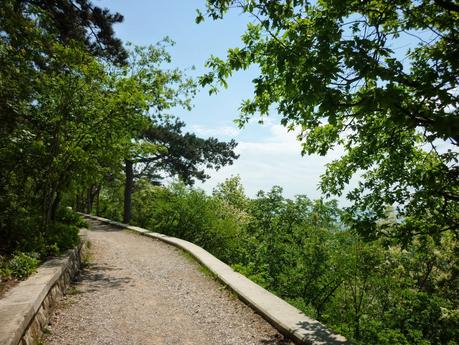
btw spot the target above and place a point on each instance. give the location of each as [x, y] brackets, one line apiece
[337, 72]
[163, 148]
[64, 21]
[184, 154]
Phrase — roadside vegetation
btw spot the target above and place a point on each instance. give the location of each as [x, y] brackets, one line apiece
[373, 292]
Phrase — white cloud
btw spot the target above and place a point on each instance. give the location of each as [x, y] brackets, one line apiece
[222, 131]
[275, 160]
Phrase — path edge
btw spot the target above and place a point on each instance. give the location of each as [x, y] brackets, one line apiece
[284, 317]
[26, 308]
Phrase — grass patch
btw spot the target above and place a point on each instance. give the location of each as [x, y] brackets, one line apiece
[72, 290]
[208, 273]
[201, 268]
[87, 257]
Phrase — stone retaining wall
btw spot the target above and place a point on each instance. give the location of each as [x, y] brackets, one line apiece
[26, 308]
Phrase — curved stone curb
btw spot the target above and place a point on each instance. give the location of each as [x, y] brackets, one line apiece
[26, 308]
[286, 318]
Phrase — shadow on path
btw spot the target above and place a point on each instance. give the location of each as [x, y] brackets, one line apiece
[276, 340]
[97, 277]
[103, 227]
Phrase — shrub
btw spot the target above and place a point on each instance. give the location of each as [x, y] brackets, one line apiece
[22, 265]
[192, 215]
[67, 216]
[5, 271]
[60, 237]
[52, 250]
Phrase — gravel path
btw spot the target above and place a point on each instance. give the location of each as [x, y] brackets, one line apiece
[138, 290]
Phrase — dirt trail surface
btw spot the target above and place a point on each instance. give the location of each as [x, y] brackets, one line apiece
[137, 290]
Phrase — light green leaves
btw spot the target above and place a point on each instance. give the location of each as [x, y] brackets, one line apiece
[338, 71]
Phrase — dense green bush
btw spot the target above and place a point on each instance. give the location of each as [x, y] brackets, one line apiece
[192, 215]
[60, 237]
[22, 231]
[67, 216]
[30, 237]
[21, 265]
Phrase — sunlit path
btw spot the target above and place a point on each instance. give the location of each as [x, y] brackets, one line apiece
[140, 291]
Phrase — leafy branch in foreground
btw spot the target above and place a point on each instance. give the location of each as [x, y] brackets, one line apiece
[341, 74]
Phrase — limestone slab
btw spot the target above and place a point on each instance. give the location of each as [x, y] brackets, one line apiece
[14, 318]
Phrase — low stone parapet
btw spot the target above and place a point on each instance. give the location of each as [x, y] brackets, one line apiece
[26, 308]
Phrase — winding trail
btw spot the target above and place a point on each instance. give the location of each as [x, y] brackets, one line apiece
[137, 290]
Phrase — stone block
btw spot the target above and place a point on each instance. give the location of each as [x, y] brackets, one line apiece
[14, 319]
[42, 317]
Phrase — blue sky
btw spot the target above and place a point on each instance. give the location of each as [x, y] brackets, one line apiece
[269, 155]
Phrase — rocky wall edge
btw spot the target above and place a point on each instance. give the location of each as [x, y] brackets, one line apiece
[26, 308]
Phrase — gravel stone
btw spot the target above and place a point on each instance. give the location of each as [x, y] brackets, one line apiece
[137, 290]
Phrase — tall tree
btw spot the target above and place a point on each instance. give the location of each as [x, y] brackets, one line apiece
[30, 31]
[65, 118]
[78, 125]
[67, 21]
[179, 154]
[338, 72]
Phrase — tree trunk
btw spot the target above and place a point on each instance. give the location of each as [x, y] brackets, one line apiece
[49, 206]
[78, 203]
[55, 206]
[128, 187]
[98, 201]
[92, 194]
[88, 200]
